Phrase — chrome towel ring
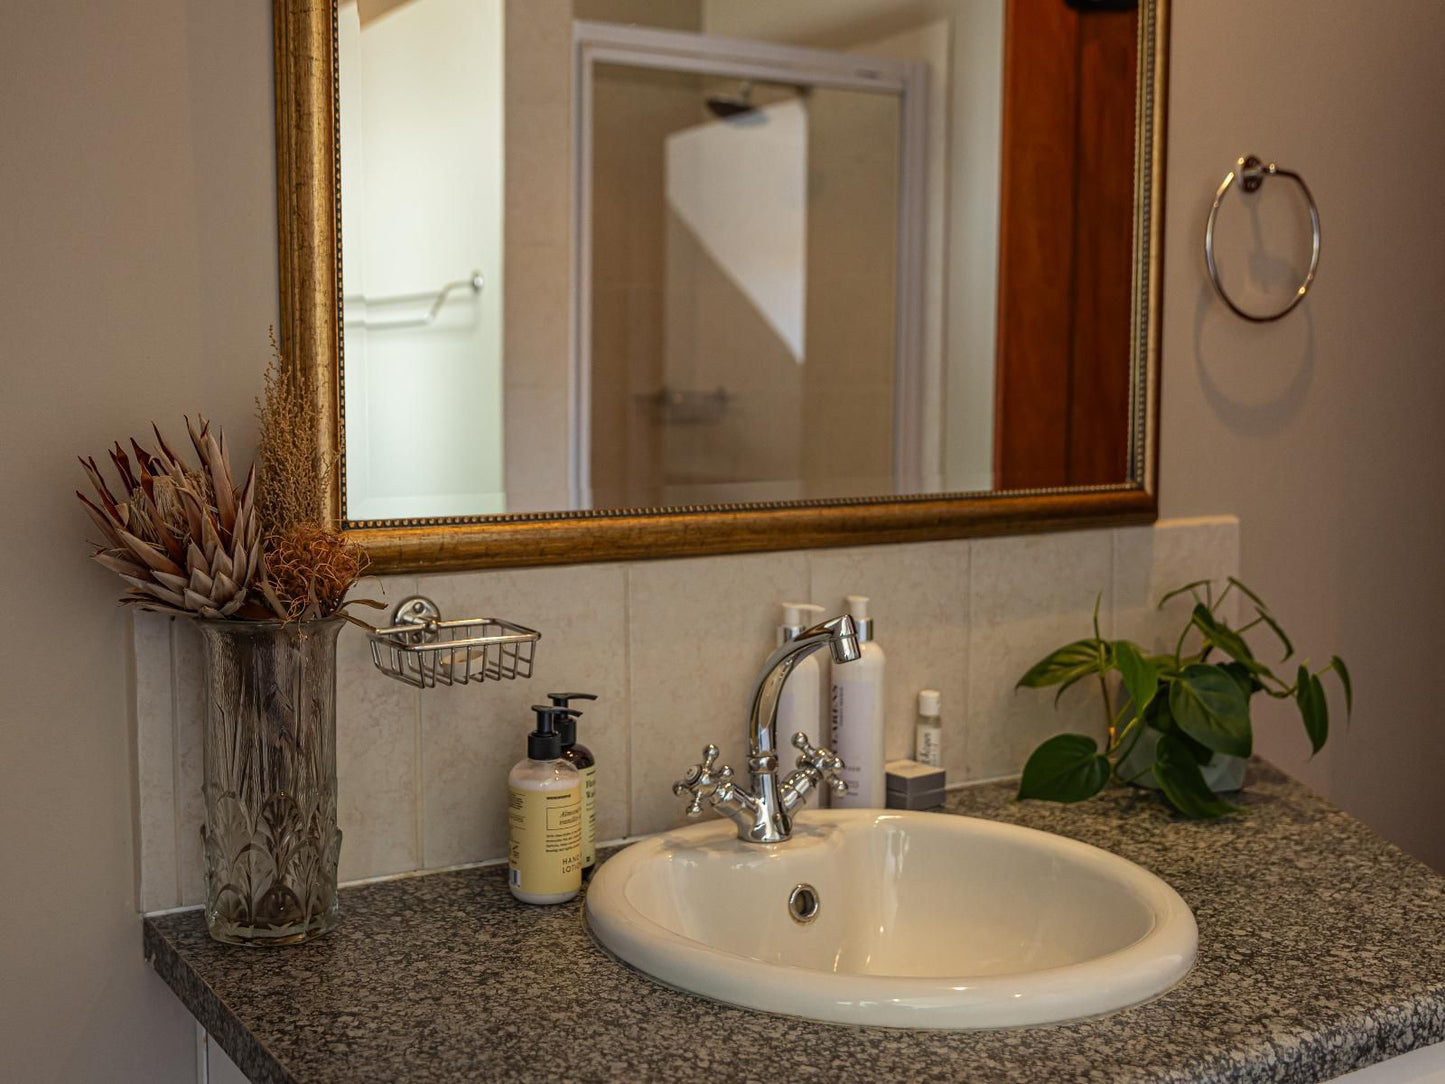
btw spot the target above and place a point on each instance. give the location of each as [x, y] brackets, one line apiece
[1250, 173]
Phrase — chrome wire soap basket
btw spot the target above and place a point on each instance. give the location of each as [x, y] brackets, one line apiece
[421, 649]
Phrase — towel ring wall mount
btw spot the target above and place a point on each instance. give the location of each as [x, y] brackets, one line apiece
[1249, 172]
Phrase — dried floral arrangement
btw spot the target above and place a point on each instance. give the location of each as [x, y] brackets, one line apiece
[188, 541]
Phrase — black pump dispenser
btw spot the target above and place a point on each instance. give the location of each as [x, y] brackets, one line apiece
[567, 725]
[545, 743]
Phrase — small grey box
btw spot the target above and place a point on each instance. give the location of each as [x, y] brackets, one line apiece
[909, 777]
[927, 799]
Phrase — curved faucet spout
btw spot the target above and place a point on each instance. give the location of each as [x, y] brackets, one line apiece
[840, 635]
[764, 815]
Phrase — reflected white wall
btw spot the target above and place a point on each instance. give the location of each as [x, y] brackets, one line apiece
[741, 186]
[973, 105]
[421, 174]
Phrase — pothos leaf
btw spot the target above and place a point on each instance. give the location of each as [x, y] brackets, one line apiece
[1180, 590]
[1066, 768]
[1141, 677]
[1264, 616]
[1313, 708]
[1259, 602]
[1337, 664]
[1068, 663]
[1212, 709]
[1159, 717]
[1072, 680]
[1248, 683]
[1179, 777]
[1220, 635]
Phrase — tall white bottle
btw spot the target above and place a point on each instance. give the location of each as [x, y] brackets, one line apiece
[800, 704]
[856, 708]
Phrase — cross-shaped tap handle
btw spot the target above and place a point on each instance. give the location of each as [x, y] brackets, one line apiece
[702, 781]
[820, 760]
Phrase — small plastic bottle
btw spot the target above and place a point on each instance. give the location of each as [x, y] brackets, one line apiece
[544, 853]
[928, 731]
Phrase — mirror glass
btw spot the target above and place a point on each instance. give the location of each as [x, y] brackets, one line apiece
[607, 254]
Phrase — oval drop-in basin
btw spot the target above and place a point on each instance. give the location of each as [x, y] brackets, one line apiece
[922, 920]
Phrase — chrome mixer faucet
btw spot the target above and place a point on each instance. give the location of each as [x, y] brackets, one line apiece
[764, 814]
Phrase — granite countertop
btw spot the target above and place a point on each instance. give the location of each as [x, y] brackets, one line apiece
[1321, 949]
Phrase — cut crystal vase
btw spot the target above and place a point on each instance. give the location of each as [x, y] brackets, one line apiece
[271, 840]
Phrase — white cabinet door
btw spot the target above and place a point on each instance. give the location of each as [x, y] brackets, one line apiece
[212, 1064]
[1423, 1066]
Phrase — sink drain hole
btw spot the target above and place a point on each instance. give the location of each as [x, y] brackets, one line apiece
[803, 904]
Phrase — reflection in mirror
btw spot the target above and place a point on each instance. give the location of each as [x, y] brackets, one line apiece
[818, 250]
[744, 277]
[421, 128]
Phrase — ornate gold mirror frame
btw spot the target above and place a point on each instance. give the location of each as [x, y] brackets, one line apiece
[308, 209]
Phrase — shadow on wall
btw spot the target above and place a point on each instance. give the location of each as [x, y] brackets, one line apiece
[1261, 392]
[1262, 241]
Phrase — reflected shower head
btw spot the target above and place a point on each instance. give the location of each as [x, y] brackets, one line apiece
[727, 106]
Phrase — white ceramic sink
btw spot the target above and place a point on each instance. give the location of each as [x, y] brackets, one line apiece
[924, 920]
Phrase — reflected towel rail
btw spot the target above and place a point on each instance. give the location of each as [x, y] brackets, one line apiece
[438, 298]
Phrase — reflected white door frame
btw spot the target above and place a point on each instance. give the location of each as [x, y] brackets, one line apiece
[917, 428]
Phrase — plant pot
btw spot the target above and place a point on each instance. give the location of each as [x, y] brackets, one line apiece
[1222, 773]
[271, 840]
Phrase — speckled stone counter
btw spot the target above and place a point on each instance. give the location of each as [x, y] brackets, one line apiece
[1321, 949]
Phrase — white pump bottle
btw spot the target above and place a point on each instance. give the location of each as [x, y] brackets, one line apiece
[800, 703]
[856, 707]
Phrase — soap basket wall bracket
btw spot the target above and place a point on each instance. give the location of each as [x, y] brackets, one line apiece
[422, 650]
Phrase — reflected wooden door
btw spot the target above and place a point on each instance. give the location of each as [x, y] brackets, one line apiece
[1065, 244]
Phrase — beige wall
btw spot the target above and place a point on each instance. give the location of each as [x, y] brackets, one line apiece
[139, 278]
[1325, 432]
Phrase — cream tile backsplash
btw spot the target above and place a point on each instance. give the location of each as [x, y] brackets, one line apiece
[159, 883]
[1029, 595]
[477, 732]
[378, 738]
[697, 632]
[919, 600]
[671, 647]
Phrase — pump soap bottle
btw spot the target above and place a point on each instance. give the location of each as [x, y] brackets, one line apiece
[544, 813]
[581, 758]
[856, 706]
[800, 703]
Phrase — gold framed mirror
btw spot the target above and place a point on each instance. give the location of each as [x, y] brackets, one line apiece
[1054, 267]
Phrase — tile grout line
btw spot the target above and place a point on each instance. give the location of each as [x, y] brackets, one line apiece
[418, 772]
[627, 686]
[965, 727]
[1114, 582]
[970, 676]
[175, 758]
[130, 654]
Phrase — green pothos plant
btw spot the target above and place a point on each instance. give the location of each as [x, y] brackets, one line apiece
[1196, 701]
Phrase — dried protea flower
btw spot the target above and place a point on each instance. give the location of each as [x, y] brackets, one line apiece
[309, 569]
[186, 540]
